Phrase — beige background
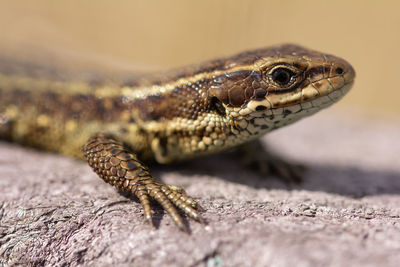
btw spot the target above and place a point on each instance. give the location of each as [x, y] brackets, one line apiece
[346, 213]
[162, 34]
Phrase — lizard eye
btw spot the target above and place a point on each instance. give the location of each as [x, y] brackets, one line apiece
[282, 76]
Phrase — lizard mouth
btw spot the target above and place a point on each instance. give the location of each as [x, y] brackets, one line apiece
[311, 98]
[260, 117]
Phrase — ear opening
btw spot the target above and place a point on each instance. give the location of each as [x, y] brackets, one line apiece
[217, 105]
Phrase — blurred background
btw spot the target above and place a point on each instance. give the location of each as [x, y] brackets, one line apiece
[157, 35]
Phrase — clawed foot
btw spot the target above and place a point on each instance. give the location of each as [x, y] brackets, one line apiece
[168, 197]
[269, 164]
[122, 169]
[288, 172]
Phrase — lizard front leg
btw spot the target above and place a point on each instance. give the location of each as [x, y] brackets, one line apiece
[116, 165]
[257, 157]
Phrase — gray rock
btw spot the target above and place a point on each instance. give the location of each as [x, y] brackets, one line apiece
[54, 211]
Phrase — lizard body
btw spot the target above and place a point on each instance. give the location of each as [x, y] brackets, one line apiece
[193, 111]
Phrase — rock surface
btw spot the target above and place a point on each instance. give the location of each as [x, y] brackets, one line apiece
[54, 211]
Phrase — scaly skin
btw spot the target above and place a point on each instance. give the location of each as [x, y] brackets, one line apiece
[197, 110]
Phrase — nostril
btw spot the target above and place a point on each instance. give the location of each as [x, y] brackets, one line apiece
[339, 70]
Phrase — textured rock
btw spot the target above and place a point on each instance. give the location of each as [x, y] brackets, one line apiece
[55, 211]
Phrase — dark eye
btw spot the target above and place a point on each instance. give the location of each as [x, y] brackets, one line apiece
[282, 76]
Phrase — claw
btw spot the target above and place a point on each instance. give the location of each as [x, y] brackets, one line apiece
[199, 208]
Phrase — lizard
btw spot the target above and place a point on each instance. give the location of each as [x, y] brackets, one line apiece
[118, 125]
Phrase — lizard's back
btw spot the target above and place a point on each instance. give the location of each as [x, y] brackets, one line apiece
[55, 108]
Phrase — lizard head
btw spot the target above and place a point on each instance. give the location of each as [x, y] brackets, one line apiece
[266, 89]
[225, 102]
